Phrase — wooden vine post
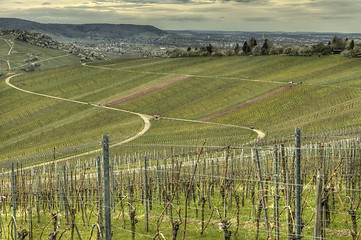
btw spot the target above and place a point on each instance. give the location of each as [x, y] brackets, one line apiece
[276, 197]
[107, 218]
[100, 201]
[146, 191]
[263, 195]
[298, 186]
[317, 231]
[13, 193]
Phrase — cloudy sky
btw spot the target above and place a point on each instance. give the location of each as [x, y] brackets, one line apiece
[237, 15]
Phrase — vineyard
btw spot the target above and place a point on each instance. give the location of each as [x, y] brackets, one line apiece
[199, 148]
[216, 92]
[250, 192]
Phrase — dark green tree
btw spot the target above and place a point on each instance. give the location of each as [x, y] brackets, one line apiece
[322, 49]
[266, 47]
[209, 48]
[252, 43]
[246, 48]
[352, 44]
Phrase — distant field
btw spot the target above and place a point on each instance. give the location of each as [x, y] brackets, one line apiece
[242, 91]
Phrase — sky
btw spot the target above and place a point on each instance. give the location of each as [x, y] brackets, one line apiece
[226, 15]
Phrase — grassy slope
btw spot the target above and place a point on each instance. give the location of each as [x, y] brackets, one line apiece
[328, 100]
[48, 58]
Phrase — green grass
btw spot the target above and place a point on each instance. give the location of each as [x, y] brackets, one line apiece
[327, 101]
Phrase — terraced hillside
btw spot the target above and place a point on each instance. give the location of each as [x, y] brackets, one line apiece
[214, 100]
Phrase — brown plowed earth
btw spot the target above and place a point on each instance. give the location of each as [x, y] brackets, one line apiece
[247, 103]
[151, 89]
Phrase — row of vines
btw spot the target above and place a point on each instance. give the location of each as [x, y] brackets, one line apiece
[236, 193]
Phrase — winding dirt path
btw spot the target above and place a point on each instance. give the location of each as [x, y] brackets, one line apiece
[10, 45]
[9, 66]
[146, 119]
[260, 134]
[9, 52]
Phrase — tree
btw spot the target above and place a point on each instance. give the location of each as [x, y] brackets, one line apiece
[322, 49]
[276, 50]
[252, 43]
[236, 49]
[257, 50]
[266, 47]
[304, 51]
[352, 44]
[209, 48]
[246, 48]
[337, 43]
[31, 67]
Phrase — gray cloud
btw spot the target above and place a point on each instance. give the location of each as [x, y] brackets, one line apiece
[247, 15]
[337, 17]
[244, 1]
[337, 7]
[180, 1]
[257, 19]
[194, 18]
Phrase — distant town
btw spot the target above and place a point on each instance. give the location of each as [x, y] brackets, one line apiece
[93, 42]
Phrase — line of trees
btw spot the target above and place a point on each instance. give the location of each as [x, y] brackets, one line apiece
[337, 45]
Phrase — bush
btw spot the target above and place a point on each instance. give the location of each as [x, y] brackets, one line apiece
[356, 52]
[31, 67]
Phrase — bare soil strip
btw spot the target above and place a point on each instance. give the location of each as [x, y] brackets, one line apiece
[247, 103]
[146, 91]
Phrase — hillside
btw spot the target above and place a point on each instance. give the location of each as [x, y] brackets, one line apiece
[217, 100]
[19, 55]
[83, 31]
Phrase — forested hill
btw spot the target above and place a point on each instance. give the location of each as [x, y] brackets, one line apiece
[93, 31]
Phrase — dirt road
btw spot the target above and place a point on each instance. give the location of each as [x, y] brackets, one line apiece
[10, 45]
[146, 119]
